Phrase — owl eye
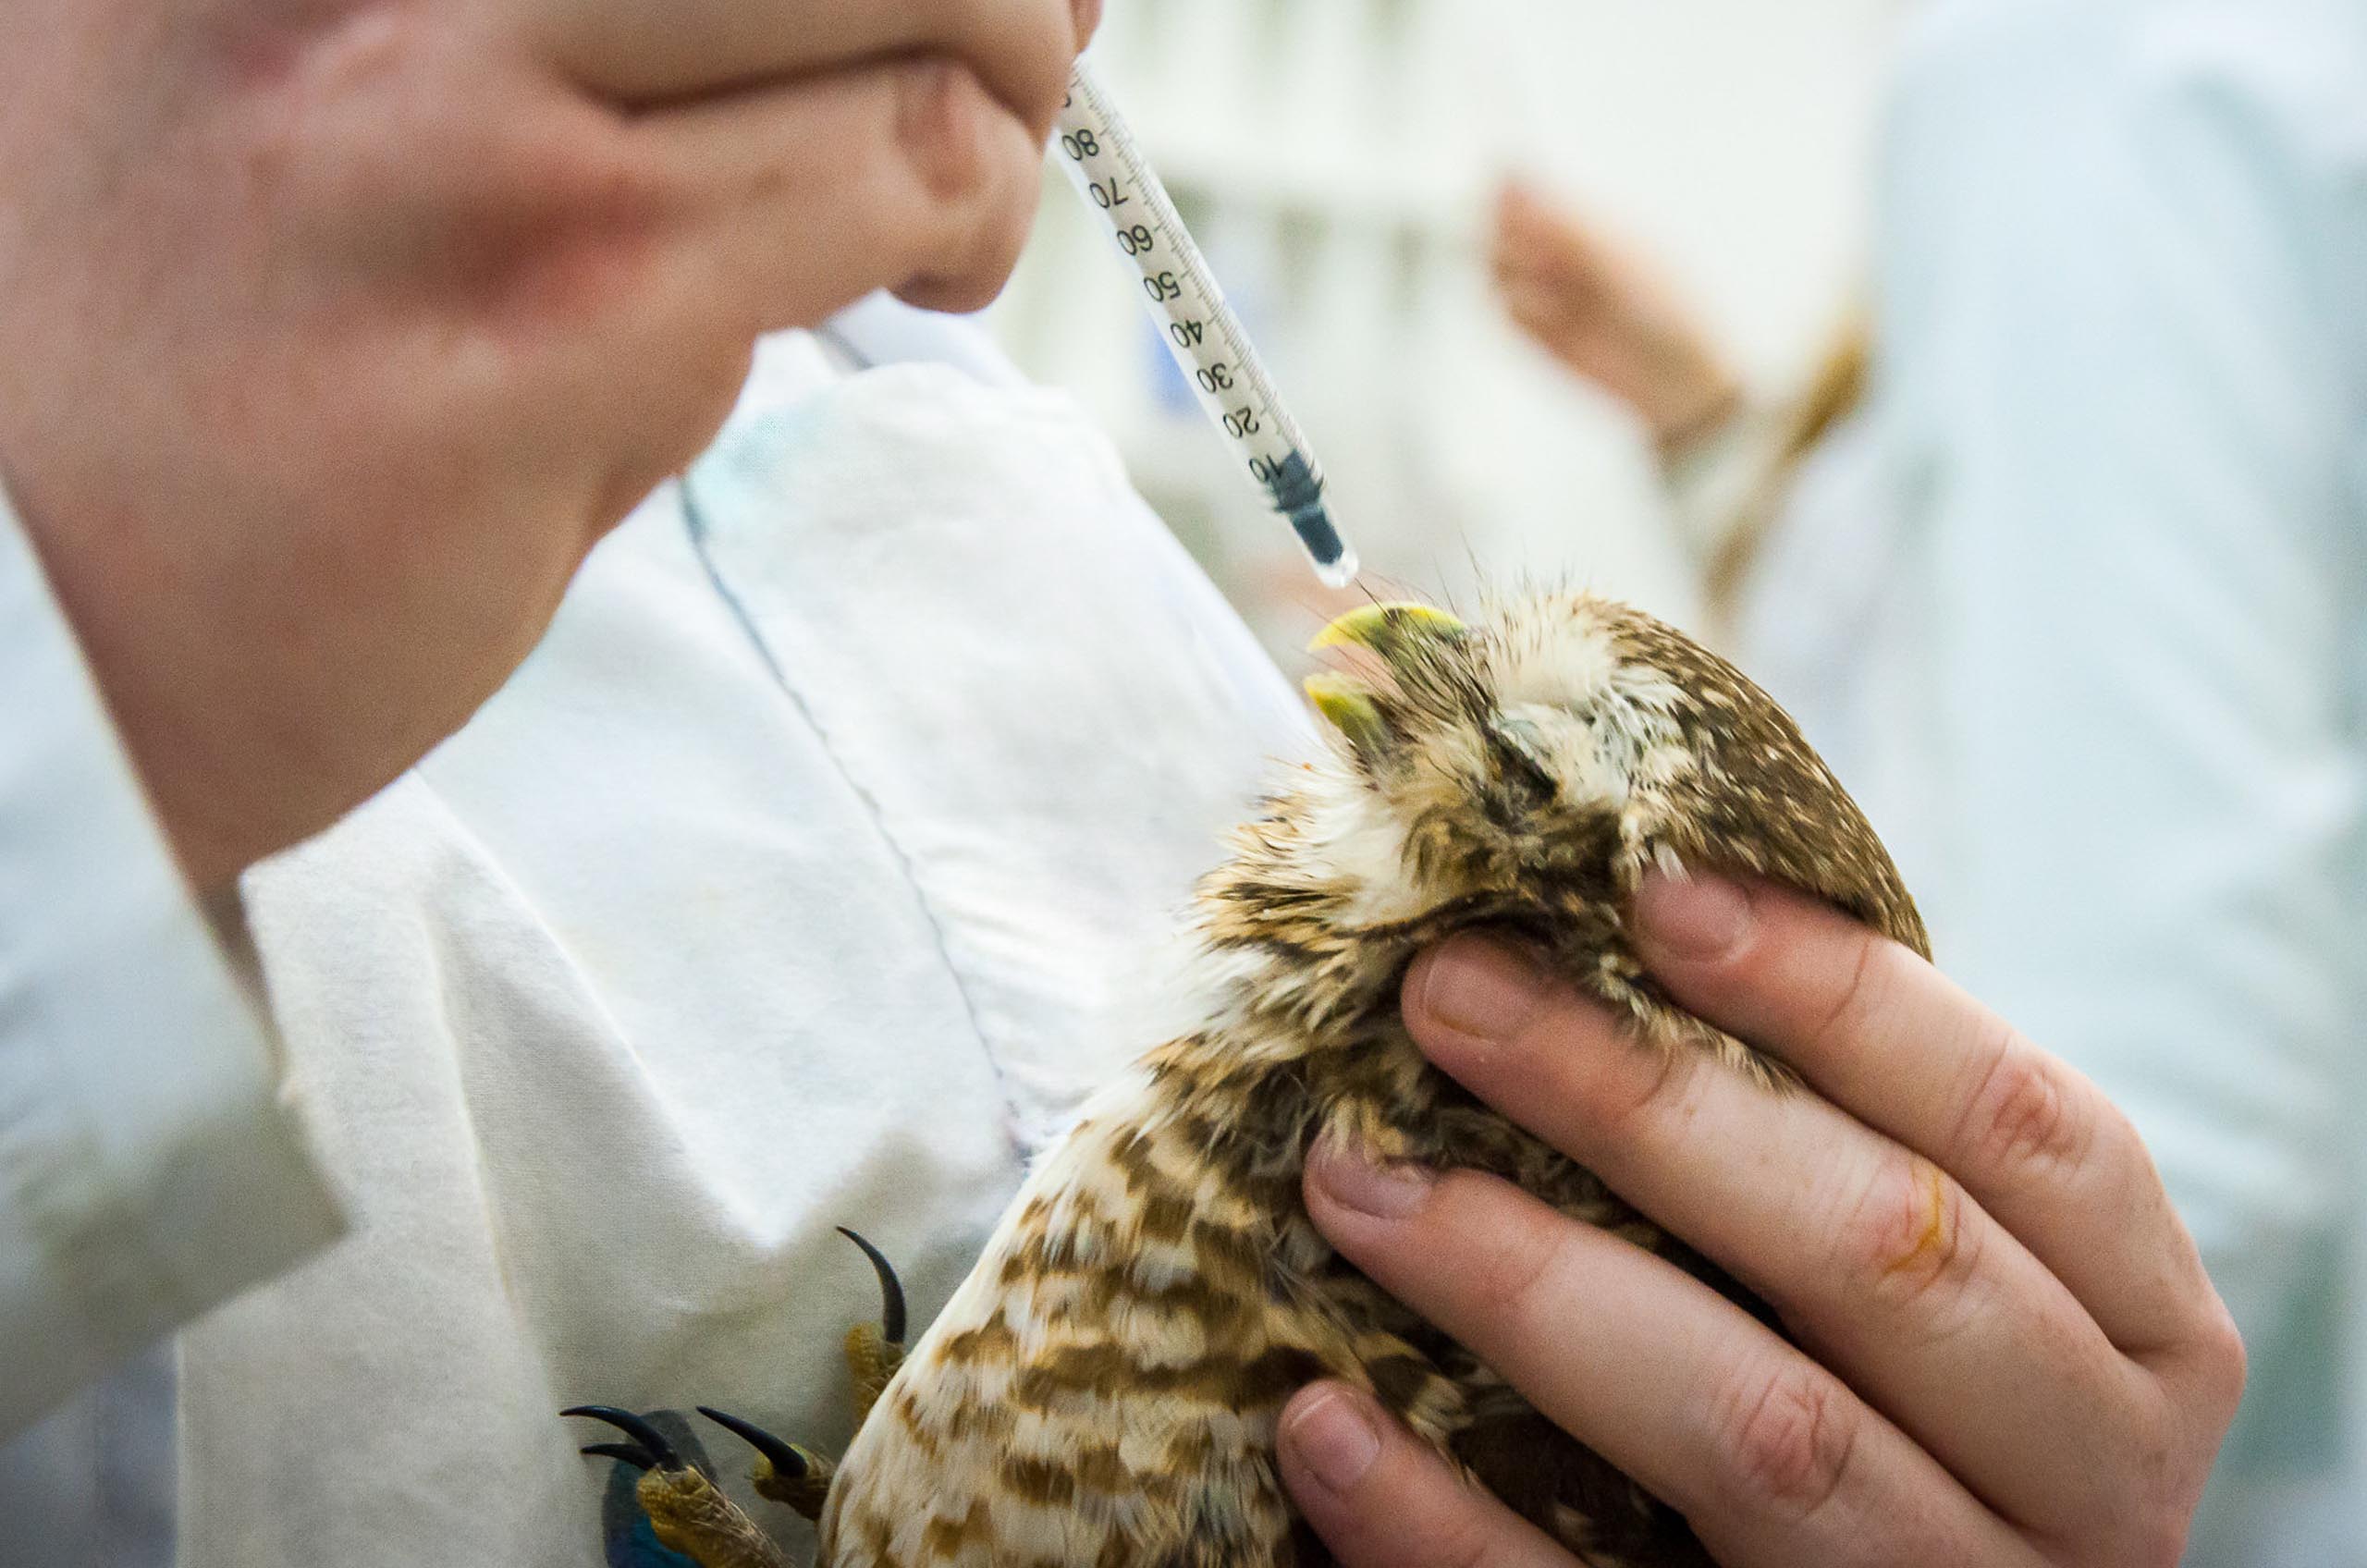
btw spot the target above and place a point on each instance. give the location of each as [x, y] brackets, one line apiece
[1519, 748]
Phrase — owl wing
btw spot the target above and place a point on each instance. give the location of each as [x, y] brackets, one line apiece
[1758, 798]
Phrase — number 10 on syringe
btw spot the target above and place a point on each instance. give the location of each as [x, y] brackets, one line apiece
[1206, 337]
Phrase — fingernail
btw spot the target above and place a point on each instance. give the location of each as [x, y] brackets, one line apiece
[1481, 988]
[1333, 1439]
[1386, 1191]
[1694, 918]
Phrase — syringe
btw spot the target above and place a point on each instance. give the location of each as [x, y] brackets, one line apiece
[1200, 329]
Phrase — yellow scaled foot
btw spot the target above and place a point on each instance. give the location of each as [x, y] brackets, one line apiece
[686, 1510]
[691, 1516]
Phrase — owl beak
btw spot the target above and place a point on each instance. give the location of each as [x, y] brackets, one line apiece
[1386, 628]
[1350, 709]
[1375, 638]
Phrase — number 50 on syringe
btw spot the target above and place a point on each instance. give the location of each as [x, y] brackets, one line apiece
[1100, 155]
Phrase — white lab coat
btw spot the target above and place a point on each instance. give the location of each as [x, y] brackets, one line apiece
[2079, 609]
[786, 887]
[146, 1169]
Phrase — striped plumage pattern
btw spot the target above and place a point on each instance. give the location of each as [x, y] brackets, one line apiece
[1103, 1390]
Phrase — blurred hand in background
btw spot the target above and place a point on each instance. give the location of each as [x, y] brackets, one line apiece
[1611, 316]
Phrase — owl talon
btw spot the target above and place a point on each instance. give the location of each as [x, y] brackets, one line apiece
[891, 1290]
[663, 1499]
[649, 1449]
[786, 1458]
[875, 1350]
[623, 1453]
[796, 1477]
[677, 1501]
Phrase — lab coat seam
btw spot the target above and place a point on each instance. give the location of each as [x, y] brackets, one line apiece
[906, 863]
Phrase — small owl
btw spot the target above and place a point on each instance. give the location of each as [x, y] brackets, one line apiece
[1103, 1391]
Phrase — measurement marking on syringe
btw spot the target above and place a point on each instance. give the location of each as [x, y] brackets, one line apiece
[1202, 332]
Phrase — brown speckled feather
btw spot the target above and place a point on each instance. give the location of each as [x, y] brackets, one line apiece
[1102, 1392]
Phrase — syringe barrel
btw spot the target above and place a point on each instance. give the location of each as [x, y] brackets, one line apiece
[1094, 144]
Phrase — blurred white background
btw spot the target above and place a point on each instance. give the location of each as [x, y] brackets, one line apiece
[1337, 159]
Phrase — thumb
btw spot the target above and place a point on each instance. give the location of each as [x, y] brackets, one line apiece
[1381, 1499]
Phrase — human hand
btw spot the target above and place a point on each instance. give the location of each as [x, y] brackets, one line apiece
[332, 334]
[2008, 1353]
[1609, 316]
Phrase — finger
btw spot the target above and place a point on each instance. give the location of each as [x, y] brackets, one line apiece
[1381, 1499]
[1555, 245]
[1872, 1255]
[799, 201]
[1529, 257]
[1515, 232]
[1526, 266]
[639, 53]
[1769, 1457]
[1886, 1036]
[1552, 314]
[1526, 217]
[1553, 307]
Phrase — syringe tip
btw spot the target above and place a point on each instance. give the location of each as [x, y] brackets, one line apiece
[1342, 572]
[1334, 558]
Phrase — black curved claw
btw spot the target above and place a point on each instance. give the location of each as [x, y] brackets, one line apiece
[787, 1461]
[891, 1290]
[628, 1453]
[654, 1452]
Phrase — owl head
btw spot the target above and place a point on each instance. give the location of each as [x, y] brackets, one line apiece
[1531, 766]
